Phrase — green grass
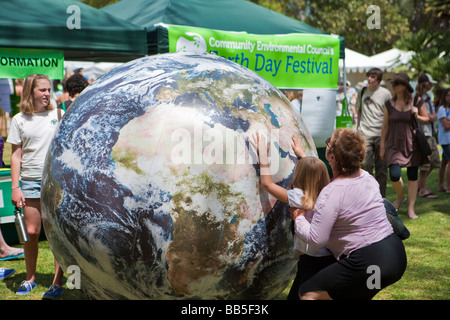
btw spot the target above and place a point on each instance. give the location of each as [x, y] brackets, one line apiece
[427, 276]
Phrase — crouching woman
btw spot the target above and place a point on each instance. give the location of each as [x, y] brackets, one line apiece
[350, 220]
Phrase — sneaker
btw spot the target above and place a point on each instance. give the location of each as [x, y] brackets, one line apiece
[6, 273]
[53, 292]
[26, 287]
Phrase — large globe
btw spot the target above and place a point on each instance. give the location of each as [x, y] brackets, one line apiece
[151, 187]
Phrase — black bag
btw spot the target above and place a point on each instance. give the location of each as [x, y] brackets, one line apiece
[421, 139]
[395, 220]
[418, 133]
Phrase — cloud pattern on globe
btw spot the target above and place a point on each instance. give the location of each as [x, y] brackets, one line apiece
[151, 186]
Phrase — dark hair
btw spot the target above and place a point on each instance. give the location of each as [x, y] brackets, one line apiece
[75, 84]
[442, 101]
[376, 72]
[349, 149]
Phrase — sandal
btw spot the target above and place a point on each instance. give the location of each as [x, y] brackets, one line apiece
[430, 195]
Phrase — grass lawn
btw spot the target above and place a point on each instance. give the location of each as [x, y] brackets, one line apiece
[427, 276]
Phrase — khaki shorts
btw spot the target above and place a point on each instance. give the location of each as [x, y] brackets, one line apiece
[434, 158]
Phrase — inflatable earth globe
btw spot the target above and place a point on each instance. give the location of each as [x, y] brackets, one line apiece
[151, 185]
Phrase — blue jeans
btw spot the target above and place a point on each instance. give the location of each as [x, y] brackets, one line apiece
[31, 189]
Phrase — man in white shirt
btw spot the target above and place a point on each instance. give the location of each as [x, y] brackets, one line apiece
[370, 108]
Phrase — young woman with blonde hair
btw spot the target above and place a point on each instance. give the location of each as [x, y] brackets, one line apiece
[30, 135]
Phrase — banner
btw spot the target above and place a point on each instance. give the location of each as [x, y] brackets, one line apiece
[19, 63]
[287, 61]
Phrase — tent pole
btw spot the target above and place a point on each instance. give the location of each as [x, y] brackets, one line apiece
[344, 77]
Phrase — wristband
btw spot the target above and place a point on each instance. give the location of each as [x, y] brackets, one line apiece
[15, 188]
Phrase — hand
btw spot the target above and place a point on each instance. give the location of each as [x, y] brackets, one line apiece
[382, 153]
[258, 141]
[296, 212]
[297, 146]
[433, 117]
[414, 111]
[17, 198]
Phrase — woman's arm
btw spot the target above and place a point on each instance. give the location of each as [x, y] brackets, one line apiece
[384, 132]
[317, 233]
[445, 123]
[17, 198]
[420, 112]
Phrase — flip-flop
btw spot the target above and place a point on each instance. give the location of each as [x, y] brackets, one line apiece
[404, 200]
[13, 255]
[430, 195]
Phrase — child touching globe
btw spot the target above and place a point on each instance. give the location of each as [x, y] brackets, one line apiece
[310, 177]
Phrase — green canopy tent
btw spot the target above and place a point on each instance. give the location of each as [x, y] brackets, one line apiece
[228, 15]
[81, 31]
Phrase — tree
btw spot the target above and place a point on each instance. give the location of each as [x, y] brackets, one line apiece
[350, 19]
[98, 3]
[429, 39]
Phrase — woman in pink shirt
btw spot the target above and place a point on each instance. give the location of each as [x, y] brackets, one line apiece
[350, 220]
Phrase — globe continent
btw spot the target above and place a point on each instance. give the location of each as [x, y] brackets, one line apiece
[151, 186]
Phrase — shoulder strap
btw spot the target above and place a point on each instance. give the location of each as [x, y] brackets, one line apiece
[360, 99]
[388, 103]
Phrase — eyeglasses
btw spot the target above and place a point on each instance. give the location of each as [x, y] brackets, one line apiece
[327, 141]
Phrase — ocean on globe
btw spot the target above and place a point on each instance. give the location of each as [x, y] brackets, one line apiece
[151, 186]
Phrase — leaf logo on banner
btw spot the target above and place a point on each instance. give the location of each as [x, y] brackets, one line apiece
[196, 45]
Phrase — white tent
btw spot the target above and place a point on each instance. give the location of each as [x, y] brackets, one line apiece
[354, 61]
[358, 63]
[390, 59]
[93, 70]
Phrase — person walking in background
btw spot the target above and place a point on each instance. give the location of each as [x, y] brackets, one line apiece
[443, 116]
[425, 83]
[30, 135]
[398, 144]
[369, 105]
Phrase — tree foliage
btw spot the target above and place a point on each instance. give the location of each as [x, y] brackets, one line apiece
[350, 19]
[429, 39]
[98, 3]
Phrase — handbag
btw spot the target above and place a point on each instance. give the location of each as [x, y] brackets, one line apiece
[345, 120]
[395, 220]
[422, 141]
